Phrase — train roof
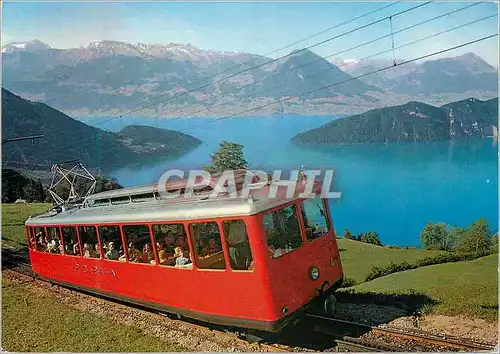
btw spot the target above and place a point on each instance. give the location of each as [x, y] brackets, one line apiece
[145, 204]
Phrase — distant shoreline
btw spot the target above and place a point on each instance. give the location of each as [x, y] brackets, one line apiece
[264, 116]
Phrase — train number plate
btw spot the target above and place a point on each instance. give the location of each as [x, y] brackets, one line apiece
[95, 270]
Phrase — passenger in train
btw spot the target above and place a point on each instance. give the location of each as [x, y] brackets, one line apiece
[162, 257]
[69, 248]
[148, 253]
[133, 253]
[200, 246]
[239, 249]
[53, 244]
[182, 243]
[86, 250]
[112, 253]
[96, 251]
[168, 243]
[212, 247]
[271, 250]
[41, 240]
[275, 252]
[181, 259]
[76, 249]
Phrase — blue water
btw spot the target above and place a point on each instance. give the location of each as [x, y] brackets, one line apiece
[394, 189]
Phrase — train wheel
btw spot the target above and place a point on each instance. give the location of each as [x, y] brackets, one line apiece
[330, 305]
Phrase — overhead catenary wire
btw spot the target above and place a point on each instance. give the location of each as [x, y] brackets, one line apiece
[294, 68]
[271, 60]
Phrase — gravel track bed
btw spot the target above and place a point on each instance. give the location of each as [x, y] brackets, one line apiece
[192, 337]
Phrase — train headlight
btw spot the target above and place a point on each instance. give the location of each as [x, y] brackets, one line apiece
[313, 273]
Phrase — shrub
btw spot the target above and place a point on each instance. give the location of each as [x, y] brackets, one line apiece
[390, 268]
[370, 237]
[348, 282]
[348, 235]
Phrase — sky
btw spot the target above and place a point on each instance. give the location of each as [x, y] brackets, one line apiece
[257, 27]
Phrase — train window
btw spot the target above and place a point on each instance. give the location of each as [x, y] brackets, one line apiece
[315, 218]
[207, 245]
[138, 240]
[282, 231]
[240, 256]
[41, 239]
[32, 238]
[70, 241]
[53, 240]
[167, 238]
[111, 241]
[90, 245]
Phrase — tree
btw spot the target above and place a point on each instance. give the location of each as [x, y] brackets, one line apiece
[477, 238]
[371, 237]
[228, 157]
[434, 236]
[13, 184]
[348, 235]
[30, 192]
[454, 236]
[494, 243]
[41, 194]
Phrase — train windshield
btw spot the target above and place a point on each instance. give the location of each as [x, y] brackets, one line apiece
[315, 218]
[282, 231]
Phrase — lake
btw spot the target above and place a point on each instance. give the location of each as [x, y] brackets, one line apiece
[394, 189]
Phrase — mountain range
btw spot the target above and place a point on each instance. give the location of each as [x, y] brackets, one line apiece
[110, 77]
[467, 72]
[411, 122]
[65, 138]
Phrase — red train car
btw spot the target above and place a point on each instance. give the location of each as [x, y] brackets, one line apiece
[254, 262]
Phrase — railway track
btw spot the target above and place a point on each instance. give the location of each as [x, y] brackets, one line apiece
[342, 328]
[327, 332]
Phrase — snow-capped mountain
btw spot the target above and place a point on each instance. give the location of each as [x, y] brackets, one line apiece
[106, 48]
[108, 76]
[30, 46]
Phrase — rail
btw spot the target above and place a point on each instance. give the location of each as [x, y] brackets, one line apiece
[331, 325]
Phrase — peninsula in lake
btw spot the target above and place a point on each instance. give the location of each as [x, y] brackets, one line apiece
[411, 122]
[65, 138]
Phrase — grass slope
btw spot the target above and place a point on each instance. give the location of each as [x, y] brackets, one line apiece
[44, 325]
[13, 218]
[358, 258]
[469, 287]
